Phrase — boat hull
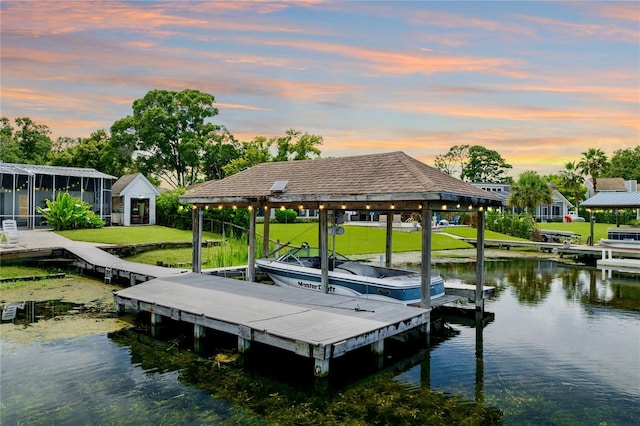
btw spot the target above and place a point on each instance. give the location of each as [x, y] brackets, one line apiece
[404, 289]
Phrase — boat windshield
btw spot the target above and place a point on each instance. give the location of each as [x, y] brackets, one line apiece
[303, 255]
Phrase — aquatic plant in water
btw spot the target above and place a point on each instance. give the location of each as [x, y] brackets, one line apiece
[380, 400]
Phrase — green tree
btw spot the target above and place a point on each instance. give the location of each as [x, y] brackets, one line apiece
[253, 152]
[484, 165]
[572, 182]
[593, 163]
[530, 191]
[224, 150]
[295, 145]
[29, 143]
[93, 152]
[625, 163]
[168, 134]
[9, 148]
[454, 161]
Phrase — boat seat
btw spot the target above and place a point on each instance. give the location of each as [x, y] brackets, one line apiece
[358, 269]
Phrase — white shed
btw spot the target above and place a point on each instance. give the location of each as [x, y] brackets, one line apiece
[134, 201]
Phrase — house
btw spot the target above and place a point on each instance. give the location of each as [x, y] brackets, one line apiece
[609, 184]
[23, 187]
[612, 193]
[556, 211]
[134, 201]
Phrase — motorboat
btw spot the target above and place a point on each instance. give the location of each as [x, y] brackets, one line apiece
[300, 268]
[620, 244]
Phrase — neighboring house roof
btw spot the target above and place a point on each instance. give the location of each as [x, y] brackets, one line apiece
[359, 179]
[121, 185]
[32, 169]
[609, 184]
[503, 193]
[613, 200]
[557, 196]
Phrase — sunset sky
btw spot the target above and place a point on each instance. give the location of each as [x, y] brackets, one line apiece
[539, 82]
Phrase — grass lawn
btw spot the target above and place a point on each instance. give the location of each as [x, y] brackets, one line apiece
[582, 228]
[359, 239]
[356, 239]
[133, 234]
[11, 271]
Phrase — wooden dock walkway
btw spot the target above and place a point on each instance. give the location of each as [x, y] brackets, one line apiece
[99, 261]
[310, 324]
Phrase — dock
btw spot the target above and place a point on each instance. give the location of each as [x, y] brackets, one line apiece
[100, 262]
[47, 247]
[623, 263]
[310, 324]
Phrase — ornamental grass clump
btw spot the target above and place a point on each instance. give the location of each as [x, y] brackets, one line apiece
[66, 212]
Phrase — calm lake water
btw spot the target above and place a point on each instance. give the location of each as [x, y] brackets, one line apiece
[563, 348]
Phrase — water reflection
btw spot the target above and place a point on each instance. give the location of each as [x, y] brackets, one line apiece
[562, 348]
[30, 311]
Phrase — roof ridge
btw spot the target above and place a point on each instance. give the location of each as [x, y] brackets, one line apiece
[410, 163]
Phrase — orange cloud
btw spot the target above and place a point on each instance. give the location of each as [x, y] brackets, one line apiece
[452, 20]
[575, 29]
[392, 62]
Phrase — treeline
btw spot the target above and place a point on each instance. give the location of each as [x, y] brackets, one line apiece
[479, 164]
[170, 138]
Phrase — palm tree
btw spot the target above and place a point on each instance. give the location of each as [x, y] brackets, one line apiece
[529, 192]
[572, 180]
[593, 163]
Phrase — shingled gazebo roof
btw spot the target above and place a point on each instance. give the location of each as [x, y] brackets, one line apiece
[377, 181]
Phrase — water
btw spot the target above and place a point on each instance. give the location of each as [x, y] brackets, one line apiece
[564, 348]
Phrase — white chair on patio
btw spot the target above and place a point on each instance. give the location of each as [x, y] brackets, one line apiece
[11, 235]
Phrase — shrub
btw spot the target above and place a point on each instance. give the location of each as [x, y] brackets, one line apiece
[286, 216]
[516, 225]
[66, 212]
[170, 212]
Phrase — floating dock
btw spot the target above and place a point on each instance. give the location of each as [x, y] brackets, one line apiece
[609, 261]
[310, 324]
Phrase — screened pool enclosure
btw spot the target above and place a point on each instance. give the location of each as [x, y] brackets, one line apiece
[23, 187]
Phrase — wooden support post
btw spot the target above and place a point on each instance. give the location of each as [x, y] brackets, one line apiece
[251, 261]
[321, 368]
[265, 238]
[243, 345]
[425, 266]
[388, 261]
[377, 348]
[480, 262]
[198, 331]
[120, 309]
[425, 269]
[132, 279]
[324, 250]
[196, 256]
[156, 319]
